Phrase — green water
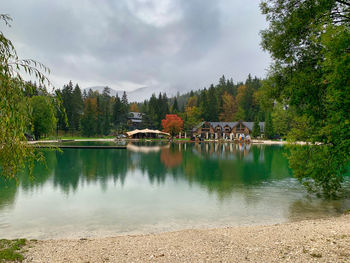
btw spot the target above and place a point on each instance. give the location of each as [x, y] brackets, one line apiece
[156, 187]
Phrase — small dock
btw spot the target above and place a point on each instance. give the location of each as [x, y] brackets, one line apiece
[82, 146]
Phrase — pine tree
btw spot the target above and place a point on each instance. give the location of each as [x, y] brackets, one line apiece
[105, 111]
[77, 107]
[125, 110]
[175, 106]
[151, 116]
[67, 93]
[117, 113]
[268, 133]
[203, 102]
[212, 106]
[88, 121]
[256, 128]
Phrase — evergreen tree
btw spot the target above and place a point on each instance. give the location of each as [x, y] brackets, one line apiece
[88, 121]
[124, 98]
[105, 111]
[125, 110]
[152, 115]
[67, 93]
[118, 112]
[203, 103]
[268, 132]
[77, 106]
[165, 105]
[91, 93]
[212, 106]
[256, 128]
[175, 106]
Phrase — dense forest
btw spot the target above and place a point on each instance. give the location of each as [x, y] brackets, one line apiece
[72, 111]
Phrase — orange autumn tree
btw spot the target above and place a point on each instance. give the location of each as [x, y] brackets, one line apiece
[133, 107]
[172, 124]
[229, 107]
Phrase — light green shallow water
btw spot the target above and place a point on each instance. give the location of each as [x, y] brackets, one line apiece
[152, 188]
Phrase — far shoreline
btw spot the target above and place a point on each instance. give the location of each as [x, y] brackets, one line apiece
[266, 142]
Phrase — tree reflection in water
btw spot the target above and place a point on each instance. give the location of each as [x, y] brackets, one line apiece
[220, 168]
[171, 157]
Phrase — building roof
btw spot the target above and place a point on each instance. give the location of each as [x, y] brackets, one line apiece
[197, 126]
[222, 125]
[136, 120]
[250, 125]
[135, 115]
[131, 133]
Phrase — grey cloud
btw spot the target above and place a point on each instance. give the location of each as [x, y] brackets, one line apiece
[188, 45]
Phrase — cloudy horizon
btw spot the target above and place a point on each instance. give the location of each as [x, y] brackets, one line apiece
[166, 46]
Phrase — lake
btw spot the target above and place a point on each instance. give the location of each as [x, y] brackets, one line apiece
[154, 187]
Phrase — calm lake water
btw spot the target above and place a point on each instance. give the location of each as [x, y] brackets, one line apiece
[156, 187]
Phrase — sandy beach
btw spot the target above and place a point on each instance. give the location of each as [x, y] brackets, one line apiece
[321, 240]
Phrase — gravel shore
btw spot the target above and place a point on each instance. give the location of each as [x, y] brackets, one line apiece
[323, 240]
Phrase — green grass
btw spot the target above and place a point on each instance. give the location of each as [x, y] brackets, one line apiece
[152, 139]
[10, 250]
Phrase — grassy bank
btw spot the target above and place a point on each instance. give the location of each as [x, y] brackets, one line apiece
[11, 250]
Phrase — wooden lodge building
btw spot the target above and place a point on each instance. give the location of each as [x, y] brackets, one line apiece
[135, 120]
[225, 130]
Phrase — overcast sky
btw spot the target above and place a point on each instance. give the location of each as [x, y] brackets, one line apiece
[165, 45]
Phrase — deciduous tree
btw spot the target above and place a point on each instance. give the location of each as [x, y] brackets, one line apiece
[229, 108]
[43, 115]
[133, 107]
[309, 42]
[172, 124]
[15, 106]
